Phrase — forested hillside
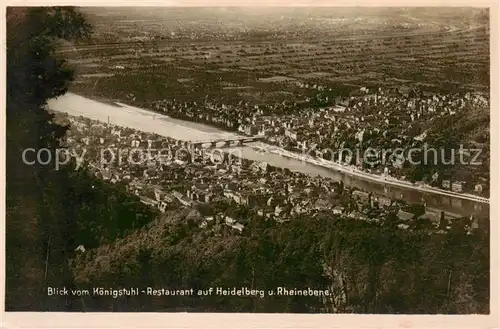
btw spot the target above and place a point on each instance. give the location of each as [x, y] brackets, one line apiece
[47, 209]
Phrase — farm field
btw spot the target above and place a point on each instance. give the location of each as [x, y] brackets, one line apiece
[167, 56]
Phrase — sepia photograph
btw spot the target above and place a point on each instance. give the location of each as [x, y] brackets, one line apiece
[238, 159]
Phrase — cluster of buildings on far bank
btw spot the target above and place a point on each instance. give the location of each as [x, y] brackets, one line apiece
[383, 119]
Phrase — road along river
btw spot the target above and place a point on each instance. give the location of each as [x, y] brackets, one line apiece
[148, 121]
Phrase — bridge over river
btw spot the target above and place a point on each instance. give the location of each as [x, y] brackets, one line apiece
[226, 142]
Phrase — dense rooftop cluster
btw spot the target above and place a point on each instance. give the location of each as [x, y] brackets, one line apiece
[383, 120]
[168, 174]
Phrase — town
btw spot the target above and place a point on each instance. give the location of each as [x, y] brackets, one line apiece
[226, 190]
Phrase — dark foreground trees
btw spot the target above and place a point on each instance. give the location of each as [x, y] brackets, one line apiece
[36, 224]
[49, 212]
[369, 268]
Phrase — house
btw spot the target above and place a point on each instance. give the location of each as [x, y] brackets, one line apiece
[354, 214]
[115, 179]
[254, 167]
[192, 195]
[474, 224]
[298, 209]
[80, 248]
[137, 185]
[240, 199]
[384, 202]
[208, 197]
[179, 162]
[159, 194]
[229, 221]
[322, 204]
[263, 166]
[228, 194]
[194, 214]
[291, 134]
[237, 226]
[162, 206]
[360, 195]
[181, 198]
[433, 216]
[338, 210]
[168, 198]
[403, 226]
[250, 129]
[405, 216]
[458, 186]
[278, 210]
[361, 216]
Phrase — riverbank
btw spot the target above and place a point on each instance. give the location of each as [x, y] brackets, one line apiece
[351, 170]
[134, 117]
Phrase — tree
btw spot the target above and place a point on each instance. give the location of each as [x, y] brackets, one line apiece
[443, 222]
[38, 225]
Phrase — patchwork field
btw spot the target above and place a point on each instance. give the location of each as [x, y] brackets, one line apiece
[165, 55]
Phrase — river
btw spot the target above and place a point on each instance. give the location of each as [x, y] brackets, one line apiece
[148, 121]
